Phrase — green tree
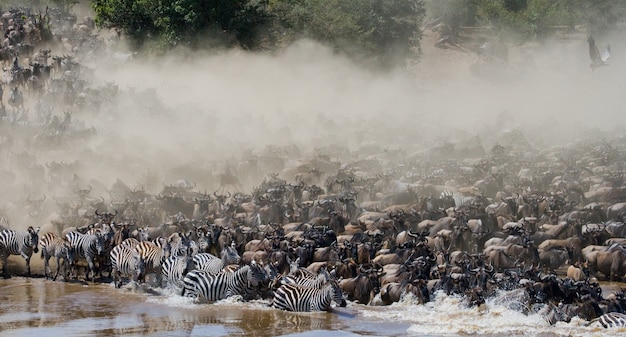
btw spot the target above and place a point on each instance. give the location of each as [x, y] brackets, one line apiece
[529, 19]
[186, 22]
[379, 32]
[383, 32]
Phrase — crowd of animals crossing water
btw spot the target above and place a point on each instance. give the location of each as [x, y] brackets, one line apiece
[497, 226]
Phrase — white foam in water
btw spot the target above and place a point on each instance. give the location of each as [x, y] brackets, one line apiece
[448, 315]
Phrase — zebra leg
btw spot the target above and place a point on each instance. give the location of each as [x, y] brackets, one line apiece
[58, 269]
[91, 268]
[27, 259]
[116, 277]
[46, 266]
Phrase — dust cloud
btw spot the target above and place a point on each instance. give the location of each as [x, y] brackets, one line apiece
[193, 115]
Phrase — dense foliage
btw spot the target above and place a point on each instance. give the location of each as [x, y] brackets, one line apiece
[384, 31]
[530, 18]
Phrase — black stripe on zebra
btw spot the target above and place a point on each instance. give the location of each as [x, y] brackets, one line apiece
[174, 269]
[22, 243]
[612, 320]
[204, 286]
[59, 247]
[88, 247]
[292, 297]
[214, 265]
[153, 253]
[309, 282]
[126, 261]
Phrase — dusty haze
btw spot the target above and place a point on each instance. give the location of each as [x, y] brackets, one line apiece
[191, 116]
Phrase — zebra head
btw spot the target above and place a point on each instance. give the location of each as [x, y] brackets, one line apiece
[34, 238]
[69, 252]
[140, 267]
[230, 255]
[99, 243]
[337, 293]
[256, 274]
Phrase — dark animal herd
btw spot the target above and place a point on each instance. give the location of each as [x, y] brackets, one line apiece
[372, 225]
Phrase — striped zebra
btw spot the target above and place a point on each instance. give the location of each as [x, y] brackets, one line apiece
[126, 261]
[130, 242]
[612, 320]
[180, 244]
[202, 285]
[174, 269]
[59, 247]
[22, 243]
[210, 263]
[293, 297]
[153, 253]
[308, 282]
[88, 247]
[462, 200]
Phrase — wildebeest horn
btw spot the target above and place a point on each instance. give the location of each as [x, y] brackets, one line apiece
[96, 212]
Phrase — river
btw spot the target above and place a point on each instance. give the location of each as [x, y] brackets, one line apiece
[39, 307]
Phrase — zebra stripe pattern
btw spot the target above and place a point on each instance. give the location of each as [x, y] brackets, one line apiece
[125, 261]
[612, 320]
[152, 254]
[88, 247]
[460, 200]
[293, 297]
[214, 265]
[204, 286]
[22, 243]
[59, 247]
[174, 269]
[179, 244]
[308, 282]
[130, 243]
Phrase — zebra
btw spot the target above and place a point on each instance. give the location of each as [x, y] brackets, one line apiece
[308, 282]
[130, 242]
[202, 285]
[611, 320]
[153, 253]
[210, 263]
[88, 247]
[127, 261]
[59, 247]
[22, 243]
[293, 297]
[174, 269]
[180, 244]
[107, 231]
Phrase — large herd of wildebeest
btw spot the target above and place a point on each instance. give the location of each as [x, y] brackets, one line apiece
[371, 226]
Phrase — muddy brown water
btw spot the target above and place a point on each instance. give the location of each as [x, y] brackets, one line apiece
[38, 307]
